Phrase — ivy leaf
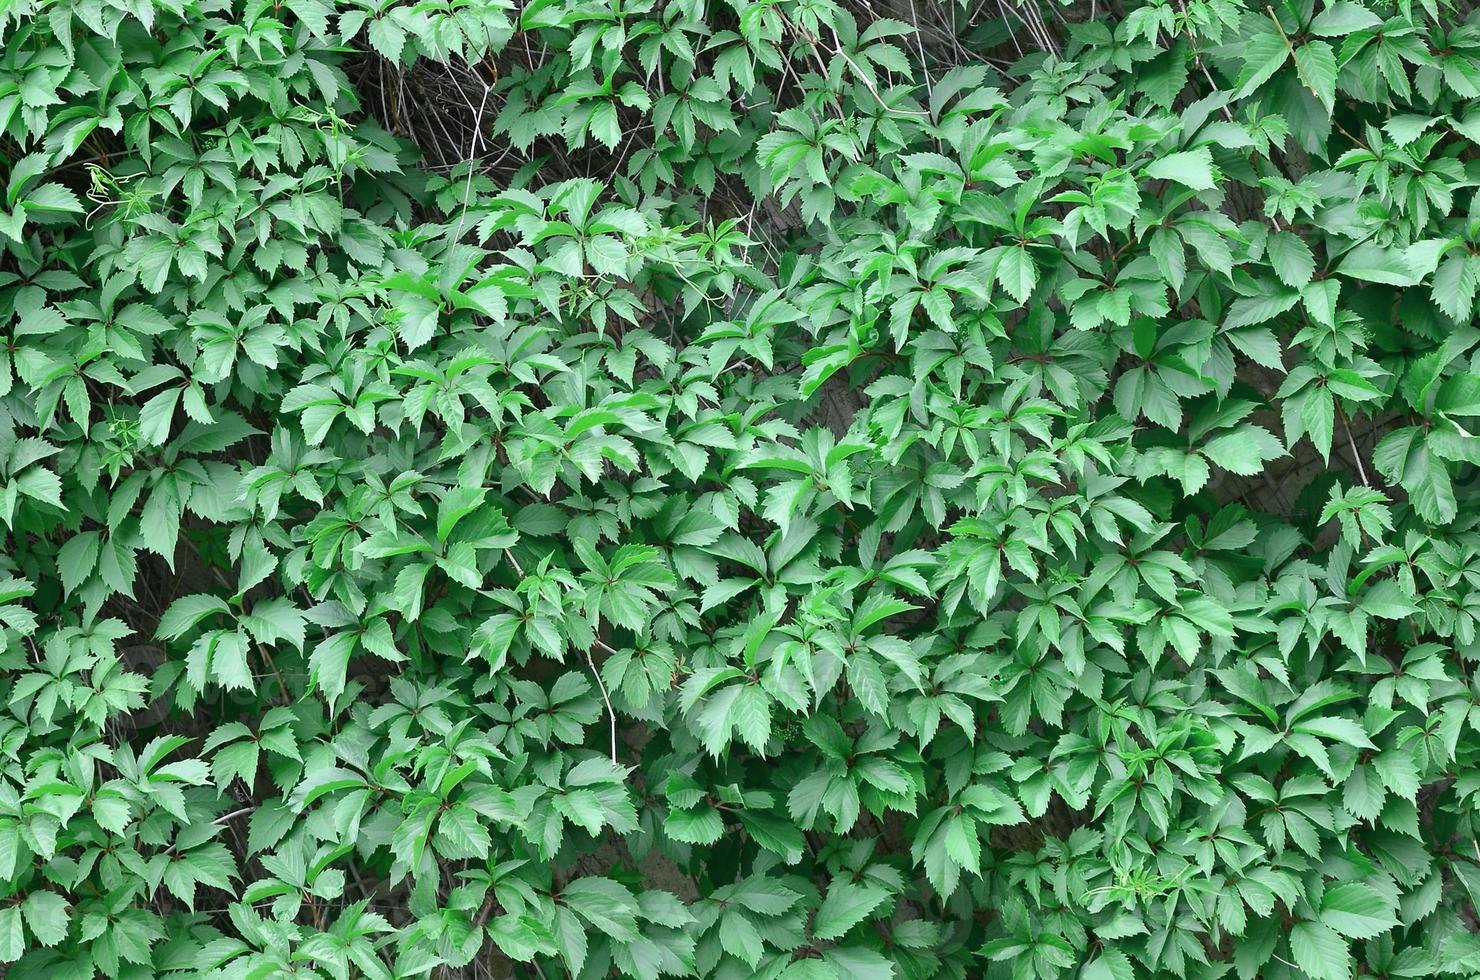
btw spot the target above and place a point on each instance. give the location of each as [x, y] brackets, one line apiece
[1355, 910]
[1455, 283]
[1112, 964]
[1191, 168]
[12, 935]
[1291, 258]
[606, 905]
[1343, 17]
[186, 613]
[1320, 951]
[1263, 55]
[845, 905]
[1244, 451]
[1318, 69]
[46, 914]
[1017, 273]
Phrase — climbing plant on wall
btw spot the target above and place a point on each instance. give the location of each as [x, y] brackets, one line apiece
[792, 489]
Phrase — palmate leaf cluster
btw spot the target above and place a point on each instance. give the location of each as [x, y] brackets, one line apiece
[794, 489]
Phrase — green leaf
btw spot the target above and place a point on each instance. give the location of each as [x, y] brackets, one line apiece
[157, 417]
[46, 914]
[1355, 910]
[1263, 55]
[328, 664]
[77, 559]
[186, 613]
[1244, 451]
[1318, 69]
[845, 905]
[1459, 395]
[1191, 168]
[1017, 273]
[1291, 258]
[1112, 964]
[701, 825]
[12, 935]
[1373, 263]
[1386, 600]
[1319, 951]
[1343, 17]
[606, 905]
[1342, 730]
[1405, 129]
[1455, 283]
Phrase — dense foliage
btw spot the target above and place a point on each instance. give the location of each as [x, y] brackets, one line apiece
[739, 488]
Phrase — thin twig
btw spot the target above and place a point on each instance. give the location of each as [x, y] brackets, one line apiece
[611, 714]
[868, 83]
[1305, 79]
[1356, 455]
[515, 562]
[1198, 58]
